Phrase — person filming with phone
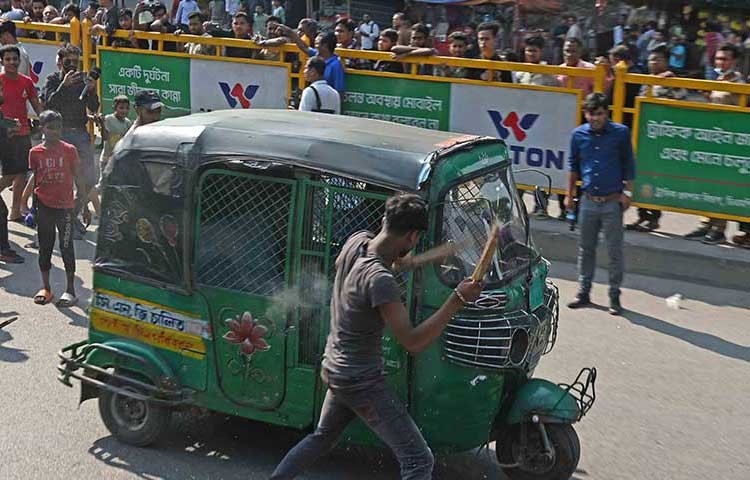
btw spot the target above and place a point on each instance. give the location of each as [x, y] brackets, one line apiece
[72, 92]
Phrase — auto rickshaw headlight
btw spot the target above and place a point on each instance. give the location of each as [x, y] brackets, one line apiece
[519, 346]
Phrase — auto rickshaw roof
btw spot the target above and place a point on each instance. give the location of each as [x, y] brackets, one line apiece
[384, 153]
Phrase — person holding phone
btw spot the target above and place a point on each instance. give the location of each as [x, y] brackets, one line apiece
[72, 93]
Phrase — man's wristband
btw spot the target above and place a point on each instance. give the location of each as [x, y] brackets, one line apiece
[460, 296]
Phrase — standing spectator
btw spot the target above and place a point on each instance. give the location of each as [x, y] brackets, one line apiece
[113, 127]
[232, 7]
[387, 40]
[456, 49]
[148, 109]
[574, 30]
[643, 43]
[601, 155]
[419, 47]
[533, 47]
[217, 12]
[472, 48]
[712, 230]
[621, 53]
[125, 17]
[195, 27]
[572, 51]
[270, 52]
[90, 12]
[344, 30]
[55, 165]
[325, 47]
[184, 10]
[260, 17]
[307, 29]
[278, 11]
[18, 90]
[618, 33]
[8, 37]
[402, 25]
[159, 23]
[13, 10]
[111, 20]
[657, 39]
[35, 14]
[487, 38]
[7, 128]
[318, 96]
[71, 93]
[369, 31]
[678, 54]
[240, 30]
[657, 66]
[713, 40]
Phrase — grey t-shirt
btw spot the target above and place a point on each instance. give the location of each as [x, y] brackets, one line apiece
[363, 282]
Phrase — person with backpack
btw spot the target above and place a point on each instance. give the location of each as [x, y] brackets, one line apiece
[318, 96]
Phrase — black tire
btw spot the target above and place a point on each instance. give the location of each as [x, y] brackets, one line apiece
[134, 422]
[567, 453]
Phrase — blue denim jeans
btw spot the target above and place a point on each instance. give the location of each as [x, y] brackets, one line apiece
[381, 410]
[594, 217]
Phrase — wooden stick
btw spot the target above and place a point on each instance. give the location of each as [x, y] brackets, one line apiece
[489, 251]
[8, 322]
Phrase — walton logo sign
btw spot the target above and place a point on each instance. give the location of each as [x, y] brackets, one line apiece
[513, 123]
[238, 94]
[532, 155]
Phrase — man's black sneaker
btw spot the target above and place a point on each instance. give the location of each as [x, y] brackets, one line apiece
[698, 234]
[580, 302]
[713, 237]
[614, 307]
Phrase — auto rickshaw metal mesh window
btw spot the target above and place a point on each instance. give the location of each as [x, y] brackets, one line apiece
[244, 232]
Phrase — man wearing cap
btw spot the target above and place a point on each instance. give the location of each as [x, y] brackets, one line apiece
[148, 109]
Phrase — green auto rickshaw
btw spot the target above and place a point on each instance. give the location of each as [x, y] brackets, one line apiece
[213, 270]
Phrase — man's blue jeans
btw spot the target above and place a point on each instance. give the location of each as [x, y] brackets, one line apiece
[594, 217]
[381, 410]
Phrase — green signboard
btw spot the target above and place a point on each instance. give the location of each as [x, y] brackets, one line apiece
[418, 103]
[127, 73]
[693, 158]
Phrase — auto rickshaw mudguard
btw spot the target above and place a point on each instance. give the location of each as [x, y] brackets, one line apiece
[143, 360]
[544, 398]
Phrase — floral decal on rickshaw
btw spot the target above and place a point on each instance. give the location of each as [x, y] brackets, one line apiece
[246, 332]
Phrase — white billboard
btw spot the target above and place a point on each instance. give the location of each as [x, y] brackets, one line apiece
[216, 85]
[535, 124]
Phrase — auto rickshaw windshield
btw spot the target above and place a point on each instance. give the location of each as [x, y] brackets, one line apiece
[470, 209]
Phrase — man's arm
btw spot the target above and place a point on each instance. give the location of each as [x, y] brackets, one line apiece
[293, 37]
[573, 176]
[54, 93]
[36, 104]
[417, 339]
[628, 167]
[273, 42]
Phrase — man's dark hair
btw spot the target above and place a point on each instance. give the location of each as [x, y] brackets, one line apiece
[158, 8]
[72, 7]
[197, 15]
[575, 40]
[390, 34]
[329, 40]
[120, 99]
[405, 213]
[535, 41]
[472, 25]
[39, 1]
[318, 64]
[662, 50]
[241, 15]
[67, 49]
[621, 52]
[126, 12]
[273, 18]
[49, 116]
[460, 36]
[595, 101]
[94, 5]
[492, 26]
[9, 49]
[729, 47]
[7, 26]
[347, 23]
[421, 28]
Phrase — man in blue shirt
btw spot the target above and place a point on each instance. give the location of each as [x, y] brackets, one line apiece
[325, 46]
[601, 156]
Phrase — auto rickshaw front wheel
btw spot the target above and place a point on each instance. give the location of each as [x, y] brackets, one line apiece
[133, 421]
[523, 455]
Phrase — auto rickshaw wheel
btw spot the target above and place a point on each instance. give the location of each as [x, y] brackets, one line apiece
[533, 462]
[132, 421]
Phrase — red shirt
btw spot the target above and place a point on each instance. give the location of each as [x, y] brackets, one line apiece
[54, 174]
[17, 92]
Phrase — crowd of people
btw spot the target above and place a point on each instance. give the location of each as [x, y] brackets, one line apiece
[69, 99]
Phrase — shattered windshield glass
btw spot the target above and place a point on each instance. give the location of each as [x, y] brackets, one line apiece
[470, 210]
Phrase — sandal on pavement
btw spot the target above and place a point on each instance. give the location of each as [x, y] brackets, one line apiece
[43, 297]
[67, 300]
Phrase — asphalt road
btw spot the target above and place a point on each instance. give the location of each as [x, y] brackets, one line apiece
[672, 394]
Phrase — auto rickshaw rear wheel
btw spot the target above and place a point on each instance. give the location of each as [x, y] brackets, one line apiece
[132, 421]
[531, 462]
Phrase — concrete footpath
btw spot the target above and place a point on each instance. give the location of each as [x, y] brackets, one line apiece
[663, 253]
